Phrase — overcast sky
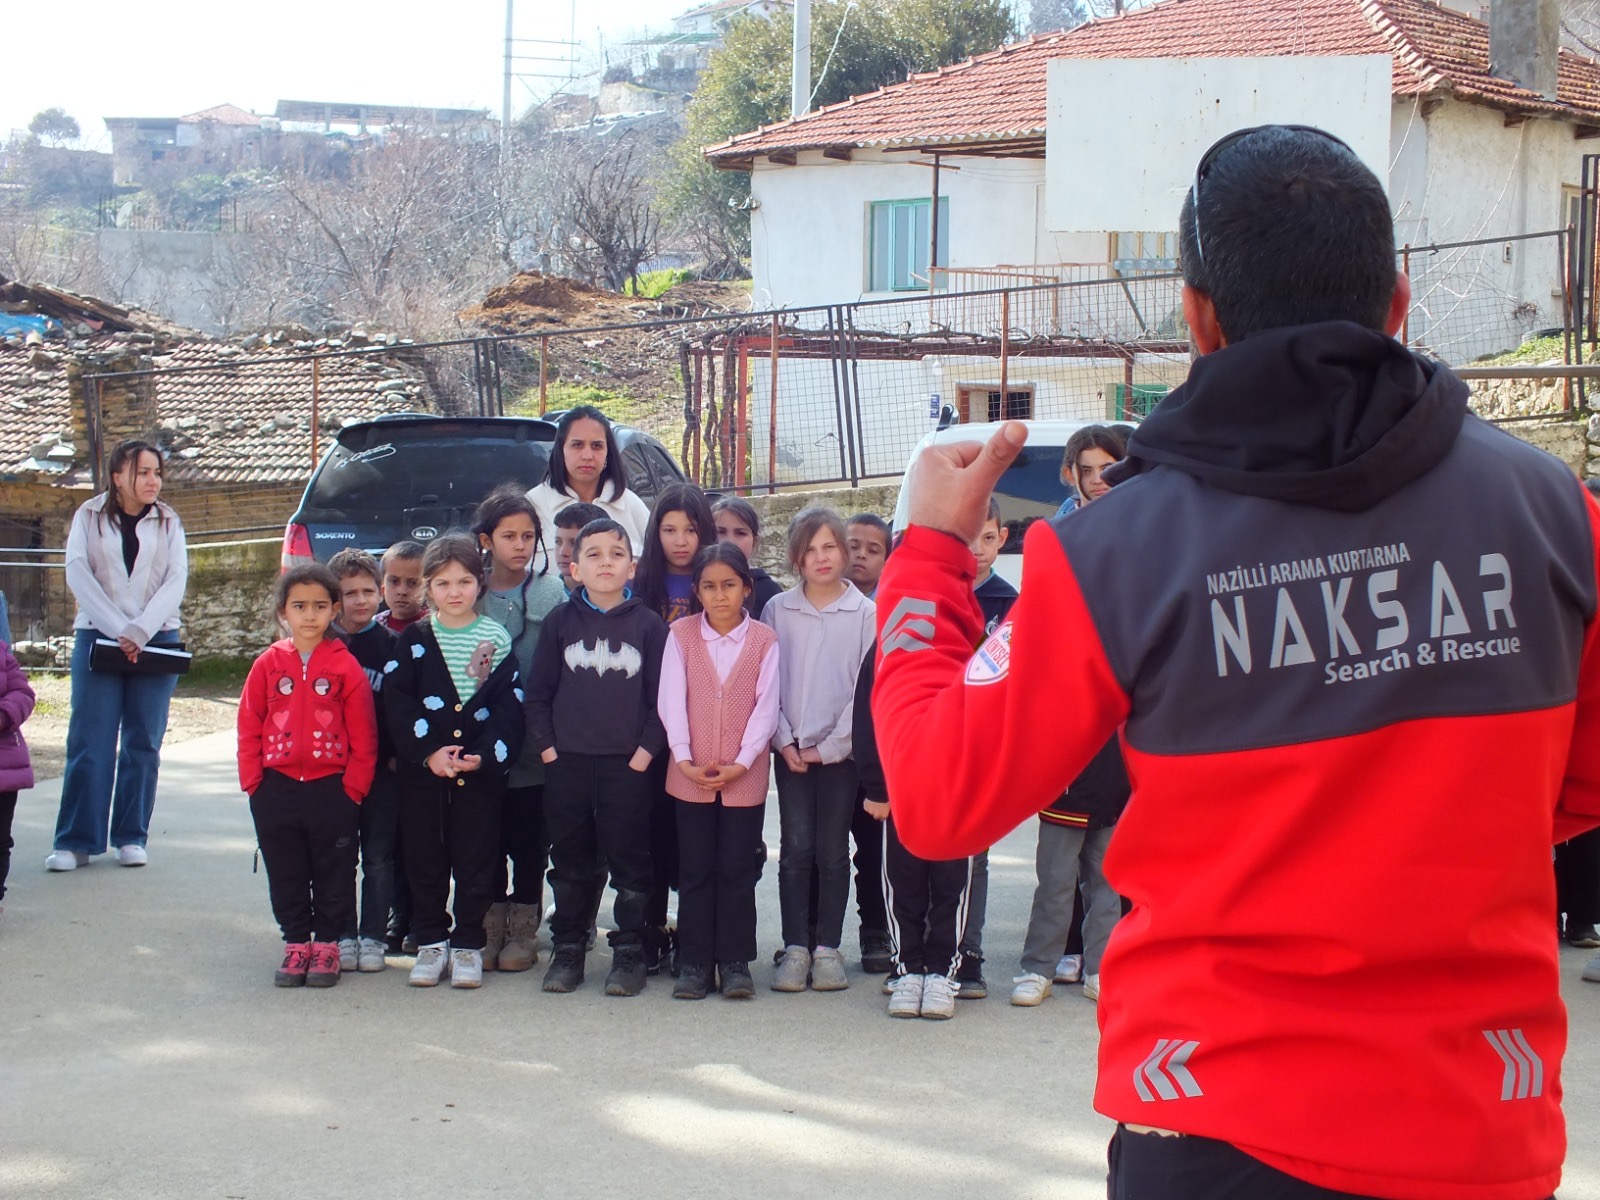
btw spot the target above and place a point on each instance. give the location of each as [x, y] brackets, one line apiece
[100, 58]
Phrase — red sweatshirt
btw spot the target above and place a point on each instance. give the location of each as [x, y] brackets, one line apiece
[1354, 725]
[308, 720]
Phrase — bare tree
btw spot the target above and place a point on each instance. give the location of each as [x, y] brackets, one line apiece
[1580, 26]
[409, 238]
[610, 206]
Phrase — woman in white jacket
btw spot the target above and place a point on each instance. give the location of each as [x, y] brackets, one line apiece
[127, 566]
[586, 467]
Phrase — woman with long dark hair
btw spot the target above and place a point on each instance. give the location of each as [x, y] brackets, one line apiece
[127, 566]
[586, 468]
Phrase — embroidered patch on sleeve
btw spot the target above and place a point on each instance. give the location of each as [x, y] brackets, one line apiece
[992, 661]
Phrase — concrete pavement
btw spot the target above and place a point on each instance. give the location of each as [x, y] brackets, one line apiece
[145, 1053]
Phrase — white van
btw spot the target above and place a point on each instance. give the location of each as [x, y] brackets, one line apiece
[1031, 488]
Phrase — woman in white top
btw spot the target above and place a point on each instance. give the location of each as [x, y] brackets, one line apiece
[586, 467]
[127, 566]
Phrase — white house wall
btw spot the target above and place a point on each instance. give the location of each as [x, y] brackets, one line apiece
[808, 232]
[1476, 177]
[892, 409]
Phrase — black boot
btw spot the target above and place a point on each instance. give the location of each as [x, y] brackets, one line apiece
[877, 954]
[627, 971]
[693, 983]
[736, 981]
[566, 968]
[970, 976]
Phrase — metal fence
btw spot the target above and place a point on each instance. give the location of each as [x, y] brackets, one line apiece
[767, 400]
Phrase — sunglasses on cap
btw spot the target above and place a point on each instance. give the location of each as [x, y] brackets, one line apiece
[1221, 144]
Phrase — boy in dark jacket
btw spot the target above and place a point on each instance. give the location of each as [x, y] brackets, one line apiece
[360, 596]
[601, 654]
[927, 901]
[995, 596]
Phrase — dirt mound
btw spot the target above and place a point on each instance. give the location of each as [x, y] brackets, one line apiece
[530, 289]
[701, 297]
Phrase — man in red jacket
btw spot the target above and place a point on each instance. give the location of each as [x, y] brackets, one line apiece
[1353, 664]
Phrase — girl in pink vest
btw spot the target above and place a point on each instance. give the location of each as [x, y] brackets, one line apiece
[719, 703]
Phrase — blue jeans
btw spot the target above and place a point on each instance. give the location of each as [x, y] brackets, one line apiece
[110, 790]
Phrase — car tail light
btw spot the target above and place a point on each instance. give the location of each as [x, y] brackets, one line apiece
[296, 546]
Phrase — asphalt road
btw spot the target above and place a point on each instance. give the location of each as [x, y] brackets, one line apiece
[145, 1053]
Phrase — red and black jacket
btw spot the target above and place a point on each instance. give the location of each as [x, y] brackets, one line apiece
[1352, 655]
[308, 720]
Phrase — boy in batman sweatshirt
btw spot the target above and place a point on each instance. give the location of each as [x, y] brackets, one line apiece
[601, 654]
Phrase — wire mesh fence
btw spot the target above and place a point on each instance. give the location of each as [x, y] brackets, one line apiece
[751, 401]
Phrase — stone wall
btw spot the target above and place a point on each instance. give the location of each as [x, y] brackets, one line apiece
[227, 611]
[777, 510]
[1567, 435]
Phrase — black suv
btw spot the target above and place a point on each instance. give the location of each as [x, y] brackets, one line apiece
[415, 476]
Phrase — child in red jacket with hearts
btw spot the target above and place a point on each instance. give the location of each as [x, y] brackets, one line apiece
[308, 748]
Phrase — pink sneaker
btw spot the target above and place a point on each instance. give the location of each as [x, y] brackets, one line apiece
[296, 958]
[324, 970]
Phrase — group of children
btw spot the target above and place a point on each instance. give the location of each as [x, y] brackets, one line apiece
[484, 713]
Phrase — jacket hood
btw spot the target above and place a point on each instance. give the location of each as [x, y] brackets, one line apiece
[1333, 415]
[579, 600]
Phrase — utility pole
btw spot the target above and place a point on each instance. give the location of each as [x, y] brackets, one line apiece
[800, 85]
[505, 95]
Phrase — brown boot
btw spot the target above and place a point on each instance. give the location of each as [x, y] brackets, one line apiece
[521, 950]
[494, 931]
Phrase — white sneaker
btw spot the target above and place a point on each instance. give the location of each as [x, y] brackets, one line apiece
[369, 955]
[1069, 969]
[1091, 986]
[433, 964]
[905, 996]
[1029, 989]
[794, 970]
[827, 970]
[939, 997]
[466, 968]
[132, 856]
[349, 955]
[66, 860]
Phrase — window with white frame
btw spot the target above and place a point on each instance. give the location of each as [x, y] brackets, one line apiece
[899, 241]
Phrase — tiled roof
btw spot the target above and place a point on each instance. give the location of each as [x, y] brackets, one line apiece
[223, 114]
[1000, 96]
[247, 420]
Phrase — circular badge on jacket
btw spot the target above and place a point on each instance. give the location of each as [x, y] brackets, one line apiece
[285, 685]
[322, 686]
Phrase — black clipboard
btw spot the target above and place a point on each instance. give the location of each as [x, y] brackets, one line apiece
[107, 656]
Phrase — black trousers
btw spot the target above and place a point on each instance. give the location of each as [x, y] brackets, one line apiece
[717, 881]
[814, 826]
[451, 829]
[8, 812]
[664, 866]
[1578, 879]
[871, 908]
[525, 843]
[1148, 1166]
[309, 834]
[380, 830]
[597, 811]
[927, 906]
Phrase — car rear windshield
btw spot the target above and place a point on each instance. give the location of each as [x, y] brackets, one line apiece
[1030, 489]
[404, 469]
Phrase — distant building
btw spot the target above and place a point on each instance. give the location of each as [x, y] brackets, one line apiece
[224, 138]
[361, 119]
[227, 138]
[673, 61]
